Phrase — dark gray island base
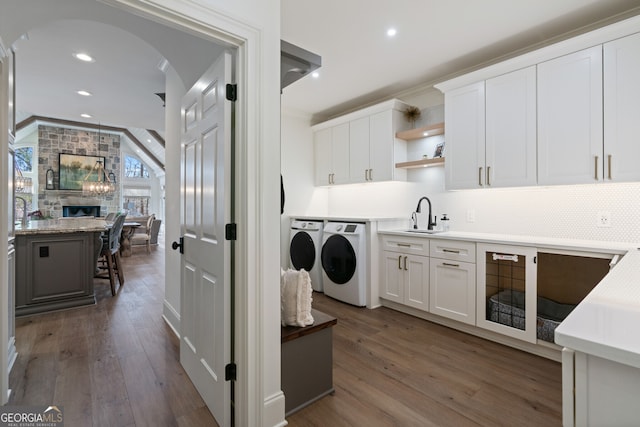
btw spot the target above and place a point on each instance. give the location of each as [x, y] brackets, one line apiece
[55, 267]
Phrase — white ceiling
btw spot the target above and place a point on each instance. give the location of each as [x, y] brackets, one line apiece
[435, 39]
[360, 64]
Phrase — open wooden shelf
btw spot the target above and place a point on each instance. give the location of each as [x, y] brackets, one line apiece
[422, 163]
[431, 130]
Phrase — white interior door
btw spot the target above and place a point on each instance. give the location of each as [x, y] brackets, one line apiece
[205, 345]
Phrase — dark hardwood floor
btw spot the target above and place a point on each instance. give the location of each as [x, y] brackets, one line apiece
[116, 364]
[391, 369]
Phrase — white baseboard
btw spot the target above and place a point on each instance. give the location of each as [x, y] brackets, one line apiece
[274, 410]
[172, 317]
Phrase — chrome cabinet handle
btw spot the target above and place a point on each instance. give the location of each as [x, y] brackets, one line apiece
[488, 175]
[366, 174]
[451, 265]
[451, 251]
[370, 174]
[406, 245]
[480, 176]
[399, 262]
[595, 170]
[609, 165]
[405, 263]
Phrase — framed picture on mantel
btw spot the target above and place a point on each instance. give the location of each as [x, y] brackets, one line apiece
[74, 168]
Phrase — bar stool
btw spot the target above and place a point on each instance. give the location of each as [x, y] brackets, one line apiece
[110, 255]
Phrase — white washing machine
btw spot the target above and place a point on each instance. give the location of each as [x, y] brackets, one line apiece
[344, 266]
[305, 244]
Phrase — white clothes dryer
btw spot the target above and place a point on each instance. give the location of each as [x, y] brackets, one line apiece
[305, 244]
[344, 267]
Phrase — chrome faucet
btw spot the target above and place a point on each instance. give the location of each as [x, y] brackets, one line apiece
[430, 222]
[24, 211]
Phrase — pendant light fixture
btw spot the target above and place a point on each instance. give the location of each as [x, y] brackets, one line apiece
[102, 185]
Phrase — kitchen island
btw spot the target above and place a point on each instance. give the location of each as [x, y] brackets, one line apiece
[55, 264]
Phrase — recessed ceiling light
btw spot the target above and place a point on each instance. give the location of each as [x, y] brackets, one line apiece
[315, 74]
[84, 93]
[391, 32]
[84, 57]
[86, 116]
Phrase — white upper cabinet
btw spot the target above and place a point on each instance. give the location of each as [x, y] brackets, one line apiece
[331, 154]
[465, 137]
[510, 158]
[622, 109]
[570, 118]
[363, 146]
[359, 150]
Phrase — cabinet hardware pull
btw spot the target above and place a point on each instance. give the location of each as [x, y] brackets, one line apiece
[406, 245]
[451, 265]
[480, 176]
[399, 262]
[596, 168]
[609, 165]
[370, 174]
[333, 176]
[451, 251]
[488, 175]
[405, 263]
[366, 174]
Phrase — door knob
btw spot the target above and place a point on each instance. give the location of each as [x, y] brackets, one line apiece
[176, 245]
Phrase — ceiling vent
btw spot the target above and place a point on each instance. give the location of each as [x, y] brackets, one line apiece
[296, 63]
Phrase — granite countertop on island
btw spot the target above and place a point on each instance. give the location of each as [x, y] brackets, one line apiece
[61, 226]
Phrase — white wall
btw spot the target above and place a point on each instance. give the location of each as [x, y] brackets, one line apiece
[174, 92]
[301, 198]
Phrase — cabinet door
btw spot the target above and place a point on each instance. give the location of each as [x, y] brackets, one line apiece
[506, 290]
[452, 290]
[392, 276]
[416, 281]
[340, 153]
[570, 118]
[359, 150]
[465, 137]
[322, 156]
[622, 109]
[384, 151]
[511, 129]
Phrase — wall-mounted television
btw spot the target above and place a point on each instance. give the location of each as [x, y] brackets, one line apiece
[74, 168]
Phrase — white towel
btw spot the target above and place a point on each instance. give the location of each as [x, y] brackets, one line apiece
[295, 298]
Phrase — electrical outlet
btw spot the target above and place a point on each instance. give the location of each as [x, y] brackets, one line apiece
[471, 215]
[603, 219]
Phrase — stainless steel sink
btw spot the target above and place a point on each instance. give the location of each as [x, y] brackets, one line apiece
[421, 231]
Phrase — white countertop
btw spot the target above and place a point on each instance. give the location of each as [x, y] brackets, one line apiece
[605, 323]
[345, 218]
[60, 226]
[533, 241]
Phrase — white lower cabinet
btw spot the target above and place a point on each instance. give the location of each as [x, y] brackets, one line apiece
[452, 287]
[405, 272]
[598, 391]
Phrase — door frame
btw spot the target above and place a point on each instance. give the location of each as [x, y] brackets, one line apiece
[254, 403]
[259, 400]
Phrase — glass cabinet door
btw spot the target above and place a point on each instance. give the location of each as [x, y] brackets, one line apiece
[507, 290]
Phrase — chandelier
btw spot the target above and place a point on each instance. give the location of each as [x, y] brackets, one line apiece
[102, 185]
[22, 184]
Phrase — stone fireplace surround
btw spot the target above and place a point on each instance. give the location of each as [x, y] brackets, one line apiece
[53, 140]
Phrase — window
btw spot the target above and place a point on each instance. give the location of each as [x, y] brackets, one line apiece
[136, 201]
[134, 168]
[24, 159]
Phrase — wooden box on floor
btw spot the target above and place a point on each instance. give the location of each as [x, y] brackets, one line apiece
[307, 362]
